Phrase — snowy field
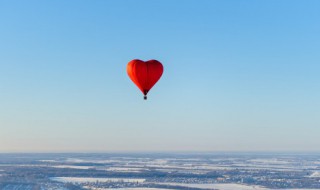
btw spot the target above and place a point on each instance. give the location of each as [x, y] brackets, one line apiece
[73, 167]
[129, 189]
[315, 174]
[92, 180]
[124, 169]
[218, 186]
[226, 186]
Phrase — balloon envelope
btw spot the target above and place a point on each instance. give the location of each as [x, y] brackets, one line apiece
[145, 74]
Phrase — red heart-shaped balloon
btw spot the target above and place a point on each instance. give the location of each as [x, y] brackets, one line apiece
[145, 74]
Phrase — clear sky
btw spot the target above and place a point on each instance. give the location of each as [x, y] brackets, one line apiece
[241, 75]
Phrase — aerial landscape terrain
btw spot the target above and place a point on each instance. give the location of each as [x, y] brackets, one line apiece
[218, 171]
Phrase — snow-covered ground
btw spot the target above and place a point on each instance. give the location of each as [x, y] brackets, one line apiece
[73, 167]
[76, 160]
[50, 161]
[124, 169]
[140, 188]
[272, 161]
[315, 174]
[219, 186]
[92, 180]
[226, 186]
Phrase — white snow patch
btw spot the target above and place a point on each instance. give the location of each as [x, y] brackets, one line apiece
[73, 167]
[227, 186]
[47, 161]
[315, 174]
[124, 169]
[138, 188]
[92, 179]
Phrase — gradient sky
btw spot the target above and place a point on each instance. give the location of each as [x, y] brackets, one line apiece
[240, 75]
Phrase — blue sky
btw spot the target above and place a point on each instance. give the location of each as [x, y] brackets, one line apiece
[239, 75]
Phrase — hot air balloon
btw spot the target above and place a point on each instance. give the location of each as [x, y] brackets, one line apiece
[145, 74]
